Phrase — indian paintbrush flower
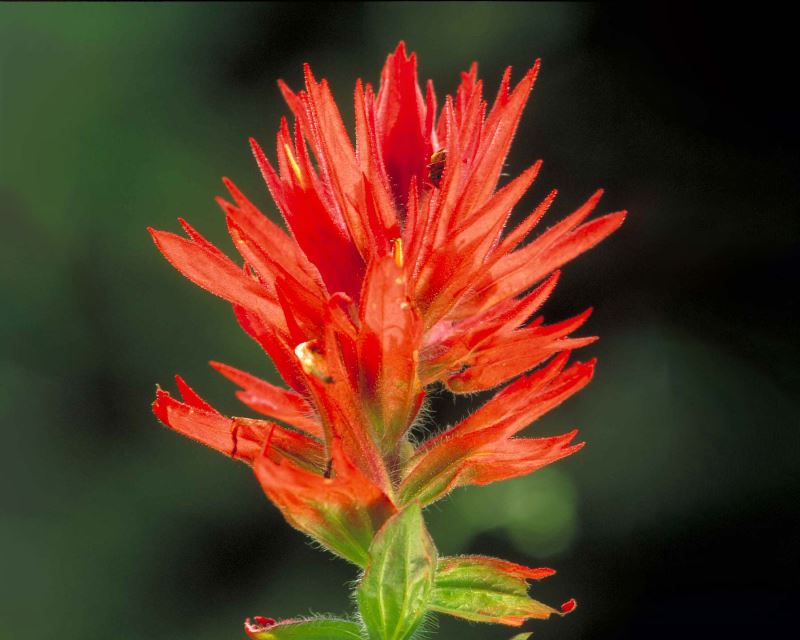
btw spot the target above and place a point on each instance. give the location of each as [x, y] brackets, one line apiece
[397, 272]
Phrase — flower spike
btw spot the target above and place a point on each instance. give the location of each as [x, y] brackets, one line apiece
[395, 272]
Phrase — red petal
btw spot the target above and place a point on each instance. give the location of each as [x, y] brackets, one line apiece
[452, 343]
[451, 270]
[212, 271]
[518, 233]
[209, 428]
[336, 156]
[377, 188]
[391, 331]
[519, 270]
[478, 458]
[517, 457]
[524, 400]
[499, 130]
[401, 118]
[314, 224]
[505, 356]
[200, 240]
[272, 401]
[238, 438]
[479, 449]
[191, 397]
[266, 234]
[268, 338]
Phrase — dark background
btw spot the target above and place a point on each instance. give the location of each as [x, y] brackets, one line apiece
[679, 519]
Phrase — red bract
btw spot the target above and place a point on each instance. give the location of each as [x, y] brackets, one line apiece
[397, 272]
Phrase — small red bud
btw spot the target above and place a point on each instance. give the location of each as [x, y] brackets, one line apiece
[257, 625]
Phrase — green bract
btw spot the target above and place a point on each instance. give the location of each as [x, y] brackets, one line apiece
[485, 590]
[321, 629]
[394, 592]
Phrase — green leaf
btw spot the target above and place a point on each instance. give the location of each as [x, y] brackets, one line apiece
[522, 636]
[485, 589]
[394, 592]
[317, 629]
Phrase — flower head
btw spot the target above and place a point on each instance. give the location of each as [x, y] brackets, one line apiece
[397, 272]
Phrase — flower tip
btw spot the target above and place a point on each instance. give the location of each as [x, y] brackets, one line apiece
[401, 55]
[309, 76]
[158, 406]
[596, 196]
[569, 606]
[541, 573]
[588, 367]
[576, 447]
[158, 237]
[570, 435]
[238, 196]
[532, 172]
[222, 203]
[258, 624]
[258, 152]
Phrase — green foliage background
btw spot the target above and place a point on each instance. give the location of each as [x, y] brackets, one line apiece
[113, 117]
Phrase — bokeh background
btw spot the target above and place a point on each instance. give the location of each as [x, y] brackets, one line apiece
[680, 519]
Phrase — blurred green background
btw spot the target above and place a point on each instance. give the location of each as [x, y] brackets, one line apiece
[679, 519]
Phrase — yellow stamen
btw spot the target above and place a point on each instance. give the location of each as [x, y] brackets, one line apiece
[398, 252]
[294, 165]
[311, 361]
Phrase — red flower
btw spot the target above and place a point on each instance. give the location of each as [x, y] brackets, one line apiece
[397, 272]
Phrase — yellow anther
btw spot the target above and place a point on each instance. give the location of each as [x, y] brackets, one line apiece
[311, 361]
[397, 250]
[294, 165]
